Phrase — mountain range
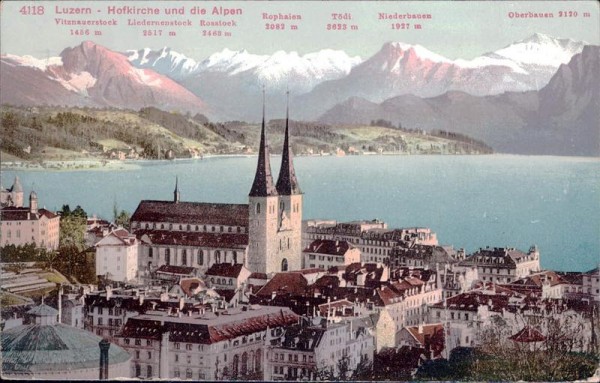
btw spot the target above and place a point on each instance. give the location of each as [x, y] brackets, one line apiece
[561, 118]
[401, 82]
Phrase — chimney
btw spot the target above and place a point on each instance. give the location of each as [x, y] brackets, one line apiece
[108, 292]
[181, 303]
[104, 346]
[60, 294]
[420, 329]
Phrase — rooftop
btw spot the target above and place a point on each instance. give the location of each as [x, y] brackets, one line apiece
[191, 212]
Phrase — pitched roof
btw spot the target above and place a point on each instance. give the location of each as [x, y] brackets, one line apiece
[328, 247]
[470, 301]
[198, 213]
[419, 332]
[208, 329]
[528, 335]
[24, 214]
[263, 185]
[287, 183]
[188, 285]
[225, 270]
[198, 239]
[286, 283]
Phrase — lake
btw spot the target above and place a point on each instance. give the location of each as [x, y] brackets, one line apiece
[469, 201]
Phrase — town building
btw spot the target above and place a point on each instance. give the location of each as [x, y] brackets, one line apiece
[229, 281]
[315, 348]
[429, 337]
[327, 253]
[405, 302]
[29, 225]
[264, 235]
[117, 256]
[373, 238]
[201, 344]
[503, 265]
[44, 349]
[591, 284]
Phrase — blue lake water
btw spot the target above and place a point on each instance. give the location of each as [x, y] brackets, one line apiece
[469, 201]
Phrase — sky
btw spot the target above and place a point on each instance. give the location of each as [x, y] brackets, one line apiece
[455, 30]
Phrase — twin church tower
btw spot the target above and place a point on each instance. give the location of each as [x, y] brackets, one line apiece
[275, 211]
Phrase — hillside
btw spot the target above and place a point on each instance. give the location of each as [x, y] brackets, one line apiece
[70, 133]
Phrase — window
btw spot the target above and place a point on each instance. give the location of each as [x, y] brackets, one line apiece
[148, 342]
[176, 373]
[149, 371]
[99, 321]
[218, 256]
[176, 358]
[126, 340]
[284, 265]
[168, 256]
[235, 257]
[149, 354]
[188, 346]
[184, 257]
[137, 354]
[149, 252]
[138, 370]
[188, 373]
[244, 368]
[257, 208]
[176, 346]
[189, 359]
[138, 342]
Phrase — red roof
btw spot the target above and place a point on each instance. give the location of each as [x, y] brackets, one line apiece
[285, 283]
[225, 270]
[328, 247]
[528, 335]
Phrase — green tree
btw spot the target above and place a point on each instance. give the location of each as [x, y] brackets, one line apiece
[123, 219]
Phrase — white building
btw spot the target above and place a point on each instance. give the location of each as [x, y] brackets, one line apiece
[117, 256]
[203, 345]
[327, 253]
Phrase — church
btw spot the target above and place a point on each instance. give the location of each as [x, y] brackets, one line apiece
[264, 235]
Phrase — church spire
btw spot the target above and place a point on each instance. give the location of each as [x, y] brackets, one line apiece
[176, 193]
[263, 180]
[287, 184]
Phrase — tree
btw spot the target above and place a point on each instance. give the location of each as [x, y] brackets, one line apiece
[122, 219]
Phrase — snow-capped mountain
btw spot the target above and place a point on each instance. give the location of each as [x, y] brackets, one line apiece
[399, 68]
[240, 75]
[559, 119]
[164, 61]
[92, 75]
[539, 55]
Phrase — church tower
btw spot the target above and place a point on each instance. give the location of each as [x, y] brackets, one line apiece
[262, 205]
[290, 206]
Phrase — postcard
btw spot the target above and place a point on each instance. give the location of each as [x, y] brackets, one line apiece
[300, 190]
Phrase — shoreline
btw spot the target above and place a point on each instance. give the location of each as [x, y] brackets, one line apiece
[134, 164]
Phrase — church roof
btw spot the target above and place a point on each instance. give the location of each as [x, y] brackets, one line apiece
[263, 185]
[198, 239]
[41, 348]
[198, 213]
[287, 183]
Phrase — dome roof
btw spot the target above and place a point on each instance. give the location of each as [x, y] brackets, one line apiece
[40, 348]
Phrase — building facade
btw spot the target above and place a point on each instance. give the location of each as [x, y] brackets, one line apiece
[29, 225]
[327, 253]
[117, 256]
[203, 345]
